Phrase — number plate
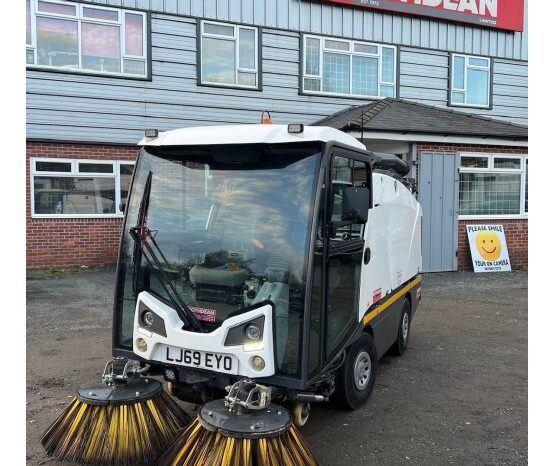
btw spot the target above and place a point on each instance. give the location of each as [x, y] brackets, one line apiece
[217, 362]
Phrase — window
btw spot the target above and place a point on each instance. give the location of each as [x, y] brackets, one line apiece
[229, 55]
[493, 185]
[470, 81]
[79, 188]
[346, 67]
[79, 38]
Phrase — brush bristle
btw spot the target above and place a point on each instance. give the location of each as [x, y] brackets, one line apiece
[114, 434]
[197, 446]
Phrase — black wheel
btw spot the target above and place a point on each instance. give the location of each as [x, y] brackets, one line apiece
[403, 333]
[356, 378]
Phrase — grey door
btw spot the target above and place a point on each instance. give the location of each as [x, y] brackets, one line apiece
[439, 197]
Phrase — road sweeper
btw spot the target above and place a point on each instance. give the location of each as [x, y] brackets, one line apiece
[261, 266]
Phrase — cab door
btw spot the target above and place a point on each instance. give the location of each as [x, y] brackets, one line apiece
[343, 252]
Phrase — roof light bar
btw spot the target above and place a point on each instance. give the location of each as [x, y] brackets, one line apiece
[295, 128]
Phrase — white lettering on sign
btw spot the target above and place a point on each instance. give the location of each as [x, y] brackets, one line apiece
[481, 7]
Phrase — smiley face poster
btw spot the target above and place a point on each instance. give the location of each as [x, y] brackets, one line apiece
[488, 248]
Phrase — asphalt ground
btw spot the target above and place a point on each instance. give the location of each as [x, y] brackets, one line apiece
[457, 396]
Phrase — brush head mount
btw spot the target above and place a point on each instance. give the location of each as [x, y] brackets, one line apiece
[264, 423]
[133, 391]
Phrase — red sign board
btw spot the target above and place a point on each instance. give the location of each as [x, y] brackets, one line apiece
[500, 14]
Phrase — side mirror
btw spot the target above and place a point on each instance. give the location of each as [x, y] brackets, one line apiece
[355, 205]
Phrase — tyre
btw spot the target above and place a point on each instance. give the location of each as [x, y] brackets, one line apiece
[403, 332]
[356, 378]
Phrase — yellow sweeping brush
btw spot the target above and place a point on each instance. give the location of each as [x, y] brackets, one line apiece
[239, 432]
[128, 420]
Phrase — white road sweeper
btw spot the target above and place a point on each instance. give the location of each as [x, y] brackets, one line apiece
[263, 266]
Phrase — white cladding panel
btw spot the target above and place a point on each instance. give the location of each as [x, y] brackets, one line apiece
[346, 21]
[393, 234]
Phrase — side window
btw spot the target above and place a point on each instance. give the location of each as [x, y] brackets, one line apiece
[346, 172]
[229, 55]
[470, 81]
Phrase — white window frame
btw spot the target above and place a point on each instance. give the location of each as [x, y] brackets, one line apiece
[235, 39]
[464, 90]
[351, 52]
[80, 19]
[76, 173]
[490, 169]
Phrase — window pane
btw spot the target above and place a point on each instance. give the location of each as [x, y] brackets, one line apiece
[53, 167]
[363, 48]
[388, 65]
[312, 65]
[477, 87]
[247, 48]
[365, 75]
[30, 56]
[311, 84]
[218, 61]
[126, 170]
[125, 173]
[56, 8]
[506, 162]
[134, 34]
[57, 42]
[72, 195]
[478, 62]
[474, 162]
[96, 168]
[458, 73]
[457, 97]
[336, 73]
[490, 194]
[219, 29]
[336, 45]
[100, 48]
[387, 91]
[344, 283]
[526, 189]
[246, 79]
[28, 22]
[134, 67]
[108, 15]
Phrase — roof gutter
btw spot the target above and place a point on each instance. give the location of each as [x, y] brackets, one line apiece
[439, 138]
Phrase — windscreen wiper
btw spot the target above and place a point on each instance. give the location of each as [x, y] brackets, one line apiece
[149, 249]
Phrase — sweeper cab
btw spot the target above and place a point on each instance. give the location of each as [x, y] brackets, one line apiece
[285, 258]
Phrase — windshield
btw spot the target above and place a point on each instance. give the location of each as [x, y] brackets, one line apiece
[232, 226]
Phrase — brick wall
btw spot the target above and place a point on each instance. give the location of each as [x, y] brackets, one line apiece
[69, 242]
[516, 230]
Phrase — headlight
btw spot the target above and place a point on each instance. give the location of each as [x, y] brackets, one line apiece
[252, 332]
[148, 318]
[246, 333]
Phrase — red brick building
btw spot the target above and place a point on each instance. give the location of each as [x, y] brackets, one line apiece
[488, 185]
[65, 238]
